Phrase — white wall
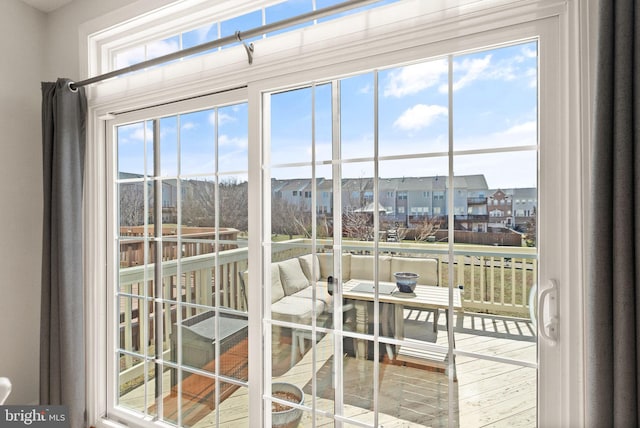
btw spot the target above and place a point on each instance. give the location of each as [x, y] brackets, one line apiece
[35, 47]
[22, 45]
[63, 34]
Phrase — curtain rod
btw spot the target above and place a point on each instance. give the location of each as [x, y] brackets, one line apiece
[238, 36]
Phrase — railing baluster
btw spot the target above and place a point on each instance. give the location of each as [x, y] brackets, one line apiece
[207, 287]
[472, 266]
[224, 285]
[493, 281]
[524, 281]
[166, 312]
[128, 324]
[483, 295]
[502, 261]
[513, 281]
[460, 279]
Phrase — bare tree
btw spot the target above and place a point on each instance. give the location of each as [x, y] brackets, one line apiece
[198, 203]
[131, 204]
[357, 225]
[289, 219]
[425, 228]
[532, 229]
[234, 204]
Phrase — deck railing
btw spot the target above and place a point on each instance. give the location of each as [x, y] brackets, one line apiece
[494, 280]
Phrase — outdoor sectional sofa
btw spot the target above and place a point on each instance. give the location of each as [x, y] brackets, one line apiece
[291, 291]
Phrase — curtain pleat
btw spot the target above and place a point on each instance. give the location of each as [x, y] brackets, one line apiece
[612, 322]
[62, 351]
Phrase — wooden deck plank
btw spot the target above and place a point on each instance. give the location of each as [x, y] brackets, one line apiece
[486, 394]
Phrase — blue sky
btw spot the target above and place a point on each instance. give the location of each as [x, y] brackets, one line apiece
[494, 107]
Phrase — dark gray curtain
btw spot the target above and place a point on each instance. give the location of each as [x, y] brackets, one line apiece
[613, 293]
[62, 353]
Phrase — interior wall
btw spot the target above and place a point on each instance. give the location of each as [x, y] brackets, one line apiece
[36, 47]
[22, 46]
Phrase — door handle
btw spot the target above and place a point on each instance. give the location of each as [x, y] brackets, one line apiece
[548, 312]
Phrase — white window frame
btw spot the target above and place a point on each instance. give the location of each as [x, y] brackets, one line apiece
[337, 52]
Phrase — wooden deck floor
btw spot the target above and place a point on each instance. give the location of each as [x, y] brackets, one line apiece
[486, 393]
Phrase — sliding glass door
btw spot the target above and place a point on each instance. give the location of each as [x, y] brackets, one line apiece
[364, 249]
[402, 255]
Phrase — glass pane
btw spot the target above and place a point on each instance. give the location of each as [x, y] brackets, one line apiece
[197, 143]
[131, 313]
[325, 3]
[234, 410]
[133, 142]
[198, 203]
[287, 9]
[204, 34]
[131, 377]
[323, 125]
[412, 196]
[290, 203]
[291, 126]
[356, 116]
[413, 109]
[131, 200]
[169, 146]
[233, 138]
[498, 223]
[163, 47]
[495, 394]
[245, 22]
[234, 203]
[129, 57]
[496, 97]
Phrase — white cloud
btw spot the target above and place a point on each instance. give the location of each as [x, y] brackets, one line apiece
[529, 53]
[521, 134]
[415, 78]
[472, 69]
[129, 57]
[138, 133]
[524, 129]
[222, 118]
[532, 74]
[365, 89]
[225, 140]
[162, 47]
[419, 116]
[202, 33]
[188, 126]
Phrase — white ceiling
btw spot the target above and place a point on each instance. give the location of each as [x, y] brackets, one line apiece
[47, 5]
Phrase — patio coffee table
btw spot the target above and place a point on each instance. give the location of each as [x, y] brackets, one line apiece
[424, 297]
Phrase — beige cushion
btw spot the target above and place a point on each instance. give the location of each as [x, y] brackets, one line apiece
[292, 276]
[362, 267]
[426, 268]
[277, 291]
[321, 293]
[326, 265]
[310, 263]
[295, 309]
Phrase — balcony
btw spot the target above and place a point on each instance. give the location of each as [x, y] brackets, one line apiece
[495, 282]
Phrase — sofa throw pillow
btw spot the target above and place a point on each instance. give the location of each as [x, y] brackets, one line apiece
[277, 291]
[308, 263]
[326, 265]
[292, 276]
